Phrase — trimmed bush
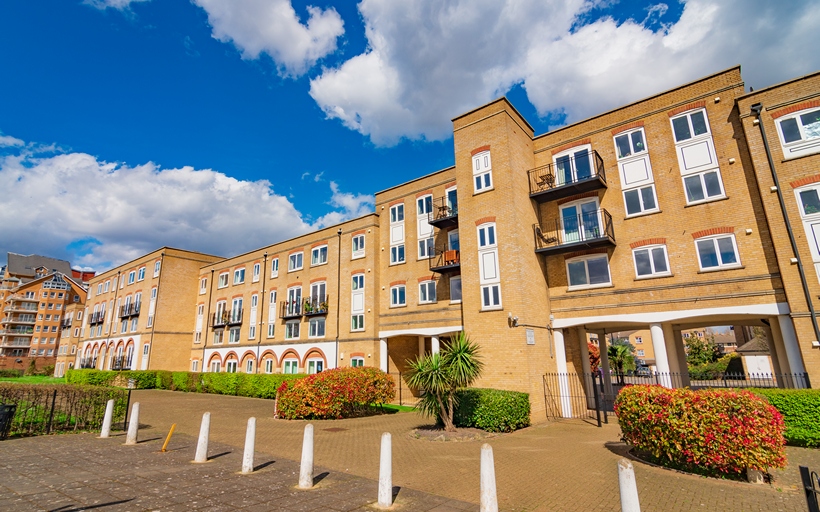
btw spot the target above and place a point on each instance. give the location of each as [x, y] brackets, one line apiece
[90, 377]
[801, 413]
[263, 385]
[712, 432]
[493, 410]
[335, 394]
[11, 374]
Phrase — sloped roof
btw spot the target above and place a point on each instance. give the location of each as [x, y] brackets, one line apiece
[754, 346]
[25, 266]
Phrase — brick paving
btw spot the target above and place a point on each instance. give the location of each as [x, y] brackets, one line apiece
[551, 466]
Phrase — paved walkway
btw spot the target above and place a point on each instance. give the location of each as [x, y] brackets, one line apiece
[563, 466]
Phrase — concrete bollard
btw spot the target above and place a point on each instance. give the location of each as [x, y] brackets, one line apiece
[489, 497]
[306, 468]
[628, 487]
[250, 443]
[133, 425]
[202, 443]
[105, 433]
[386, 471]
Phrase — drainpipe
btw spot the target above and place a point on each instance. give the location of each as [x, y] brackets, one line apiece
[338, 292]
[261, 308]
[207, 320]
[756, 109]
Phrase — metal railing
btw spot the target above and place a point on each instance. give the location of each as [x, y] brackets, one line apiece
[130, 309]
[444, 213]
[811, 486]
[572, 230]
[20, 319]
[19, 308]
[405, 395]
[96, 317]
[567, 171]
[445, 259]
[119, 363]
[315, 306]
[223, 318]
[20, 331]
[290, 308]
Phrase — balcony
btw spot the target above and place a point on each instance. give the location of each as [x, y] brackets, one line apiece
[220, 319]
[445, 260]
[96, 317]
[7, 343]
[235, 316]
[25, 331]
[568, 176]
[290, 309]
[130, 309]
[88, 363]
[444, 213]
[575, 233]
[315, 306]
[120, 363]
[21, 308]
[20, 319]
[65, 324]
[21, 297]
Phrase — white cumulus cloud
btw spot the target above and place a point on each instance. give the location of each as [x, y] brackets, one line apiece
[120, 5]
[430, 60]
[72, 205]
[351, 205]
[273, 27]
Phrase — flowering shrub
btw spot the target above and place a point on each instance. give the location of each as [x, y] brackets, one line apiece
[715, 432]
[334, 394]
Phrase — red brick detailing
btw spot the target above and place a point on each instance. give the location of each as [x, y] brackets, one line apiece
[636, 124]
[318, 279]
[450, 185]
[220, 299]
[808, 180]
[238, 295]
[479, 150]
[239, 266]
[583, 253]
[357, 354]
[484, 220]
[291, 285]
[396, 283]
[425, 193]
[394, 203]
[794, 108]
[318, 244]
[713, 231]
[565, 147]
[359, 232]
[272, 289]
[648, 241]
[578, 196]
[295, 251]
[684, 108]
[427, 278]
[357, 271]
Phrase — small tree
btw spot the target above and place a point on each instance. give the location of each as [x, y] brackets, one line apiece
[700, 351]
[439, 376]
[594, 356]
[621, 356]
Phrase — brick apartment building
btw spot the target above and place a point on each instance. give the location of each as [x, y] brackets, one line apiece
[659, 215]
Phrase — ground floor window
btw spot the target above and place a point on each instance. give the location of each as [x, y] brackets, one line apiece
[356, 362]
[194, 366]
[290, 366]
[268, 366]
[216, 366]
[230, 367]
[249, 366]
[315, 366]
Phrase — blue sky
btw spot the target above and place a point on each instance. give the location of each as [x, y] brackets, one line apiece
[225, 125]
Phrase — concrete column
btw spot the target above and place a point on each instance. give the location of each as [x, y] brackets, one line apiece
[585, 366]
[776, 368]
[383, 355]
[421, 346]
[680, 350]
[561, 366]
[306, 466]
[661, 359]
[386, 472]
[489, 496]
[109, 415]
[676, 366]
[434, 346]
[202, 443]
[133, 425]
[792, 348]
[250, 445]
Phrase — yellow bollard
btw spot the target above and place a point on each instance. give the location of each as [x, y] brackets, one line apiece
[168, 439]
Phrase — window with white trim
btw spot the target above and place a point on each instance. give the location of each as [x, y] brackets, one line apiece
[107, 286]
[357, 361]
[397, 254]
[290, 366]
[272, 314]
[252, 318]
[488, 266]
[219, 336]
[157, 265]
[230, 366]
[426, 248]
[141, 274]
[638, 339]
[274, 268]
[357, 302]
[295, 261]
[427, 292]
[315, 366]
[132, 276]
[651, 261]
[424, 205]
[800, 133]
[573, 165]
[396, 213]
[588, 272]
[640, 353]
[268, 365]
[491, 296]
[239, 275]
[358, 247]
[249, 366]
[257, 268]
[357, 322]
[808, 201]
[292, 329]
[697, 158]
[482, 172]
[398, 296]
[216, 366]
[318, 256]
[717, 252]
[203, 285]
[223, 280]
[316, 327]
[455, 289]
[703, 186]
[195, 365]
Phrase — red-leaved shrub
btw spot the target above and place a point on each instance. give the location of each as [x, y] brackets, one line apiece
[334, 394]
[710, 431]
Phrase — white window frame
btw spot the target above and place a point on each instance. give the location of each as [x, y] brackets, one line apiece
[485, 233]
[203, 285]
[811, 223]
[313, 327]
[806, 145]
[292, 329]
[357, 359]
[195, 365]
[132, 276]
[157, 266]
[397, 254]
[231, 366]
[586, 258]
[315, 362]
[316, 255]
[714, 239]
[650, 250]
[702, 180]
[249, 366]
[216, 367]
[297, 258]
[223, 280]
[688, 115]
[398, 292]
[357, 246]
[274, 268]
[644, 210]
[290, 366]
[427, 248]
[357, 322]
[482, 172]
[571, 154]
[489, 294]
[397, 213]
[257, 268]
[427, 292]
[141, 274]
[268, 365]
[239, 275]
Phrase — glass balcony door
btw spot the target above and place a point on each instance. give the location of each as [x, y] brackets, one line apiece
[573, 166]
[580, 221]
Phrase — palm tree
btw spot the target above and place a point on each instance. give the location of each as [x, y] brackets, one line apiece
[440, 375]
[620, 355]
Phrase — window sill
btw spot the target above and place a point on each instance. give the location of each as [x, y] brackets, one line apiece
[427, 303]
[397, 263]
[291, 270]
[660, 276]
[483, 191]
[240, 282]
[592, 287]
[255, 280]
[358, 330]
[455, 301]
[642, 214]
[812, 148]
[489, 309]
[719, 269]
[357, 256]
[704, 201]
[398, 306]
[318, 264]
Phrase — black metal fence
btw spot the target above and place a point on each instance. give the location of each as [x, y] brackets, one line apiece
[590, 396]
[405, 395]
[43, 409]
[811, 486]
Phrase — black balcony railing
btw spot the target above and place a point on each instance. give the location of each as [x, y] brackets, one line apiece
[65, 324]
[290, 308]
[130, 309]
[88, 363]
[444, 213]
[220, 319]
[575, 232]
[567, 176]
[96, 317]
[315, 306]
[235, 316]
[120, 363]
[445, 260]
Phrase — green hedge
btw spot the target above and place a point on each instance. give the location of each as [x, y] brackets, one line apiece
[801, 413]
[239, 384]
[493, 410]
[11, 374]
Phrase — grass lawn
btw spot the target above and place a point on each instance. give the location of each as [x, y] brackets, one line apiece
[397, 408]
[34, 379]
